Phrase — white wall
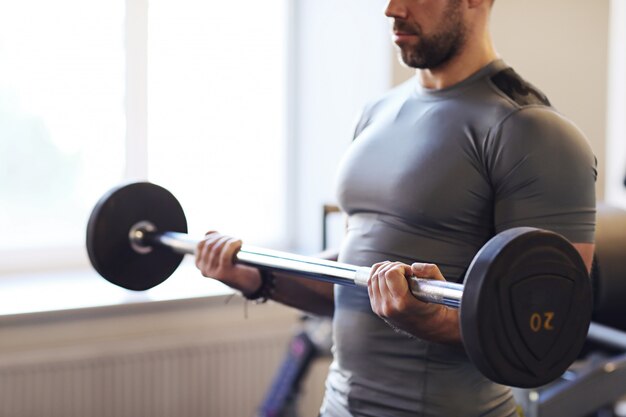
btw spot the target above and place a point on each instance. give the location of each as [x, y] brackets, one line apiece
[342, 62]
[616, 128]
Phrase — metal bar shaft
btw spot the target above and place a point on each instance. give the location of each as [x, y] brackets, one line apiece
[607, 336]
[439, 292]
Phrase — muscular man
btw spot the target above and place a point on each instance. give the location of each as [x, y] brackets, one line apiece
[462, 151]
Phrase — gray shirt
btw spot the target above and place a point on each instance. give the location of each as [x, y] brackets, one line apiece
[431, 176]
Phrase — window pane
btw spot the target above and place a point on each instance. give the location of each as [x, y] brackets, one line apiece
[62, 122]
[216, 113]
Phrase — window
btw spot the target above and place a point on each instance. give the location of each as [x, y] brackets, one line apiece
[214, 111]
[61, 117]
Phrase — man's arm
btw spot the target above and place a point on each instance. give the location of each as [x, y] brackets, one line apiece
[215, 260]
[586, 251]
[391, 299]
[543, 173]
[315, 297]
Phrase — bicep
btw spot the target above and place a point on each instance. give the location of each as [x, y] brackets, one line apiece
[543, 173]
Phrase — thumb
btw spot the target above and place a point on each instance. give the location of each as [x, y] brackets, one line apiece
[430, 271]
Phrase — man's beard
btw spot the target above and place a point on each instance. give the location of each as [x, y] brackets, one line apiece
[432, 51]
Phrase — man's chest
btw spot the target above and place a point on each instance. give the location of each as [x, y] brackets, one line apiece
[426, 169]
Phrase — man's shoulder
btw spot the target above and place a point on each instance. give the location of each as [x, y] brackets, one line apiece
[533, 122]
[516, 103]
[519, 91]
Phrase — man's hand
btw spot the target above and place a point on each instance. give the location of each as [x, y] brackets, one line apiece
[392, 300]
[215, 259]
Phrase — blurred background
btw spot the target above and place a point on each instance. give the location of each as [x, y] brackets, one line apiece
[243, 110]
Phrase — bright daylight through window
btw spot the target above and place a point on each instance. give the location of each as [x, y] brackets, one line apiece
[61, 116]
[216, 113]
[215, 116]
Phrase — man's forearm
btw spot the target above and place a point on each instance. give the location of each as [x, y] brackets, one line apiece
[445, 328]
[315, 297]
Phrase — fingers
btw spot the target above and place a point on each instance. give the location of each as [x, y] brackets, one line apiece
[230, 248]
[205, 251]
[392, 279]
[372, 285]
[389, 290]
[388, 287]
[216, 254]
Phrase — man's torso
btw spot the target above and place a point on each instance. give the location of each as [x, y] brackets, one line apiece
[418, 185]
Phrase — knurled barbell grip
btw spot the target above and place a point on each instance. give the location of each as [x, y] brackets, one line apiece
[439, 292]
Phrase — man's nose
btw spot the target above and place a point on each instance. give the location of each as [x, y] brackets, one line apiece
[396, 9]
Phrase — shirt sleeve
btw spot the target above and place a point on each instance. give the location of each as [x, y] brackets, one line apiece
[543, 174]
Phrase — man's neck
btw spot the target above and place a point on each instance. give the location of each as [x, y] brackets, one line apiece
[473, 57]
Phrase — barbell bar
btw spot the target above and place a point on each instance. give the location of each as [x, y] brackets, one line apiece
[525, 305]
[441, 292]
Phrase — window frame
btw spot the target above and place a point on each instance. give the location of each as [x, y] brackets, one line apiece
[39, 259]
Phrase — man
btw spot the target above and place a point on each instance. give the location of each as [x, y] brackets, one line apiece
[439, 165]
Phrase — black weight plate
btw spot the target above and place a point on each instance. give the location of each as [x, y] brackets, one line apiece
[108, 243]
[526, 307]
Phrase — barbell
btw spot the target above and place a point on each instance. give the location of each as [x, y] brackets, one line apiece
[525, 305]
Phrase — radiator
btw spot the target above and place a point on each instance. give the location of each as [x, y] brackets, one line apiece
[221, 380]
[197, 357]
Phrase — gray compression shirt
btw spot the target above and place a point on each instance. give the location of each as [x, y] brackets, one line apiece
[431, 176]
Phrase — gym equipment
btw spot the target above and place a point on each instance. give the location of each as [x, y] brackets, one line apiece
[595, 383]
[592, 384]
[524, 308]
[311, 343]
[609, 274]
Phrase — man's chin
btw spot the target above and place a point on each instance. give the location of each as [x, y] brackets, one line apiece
[411, 61]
